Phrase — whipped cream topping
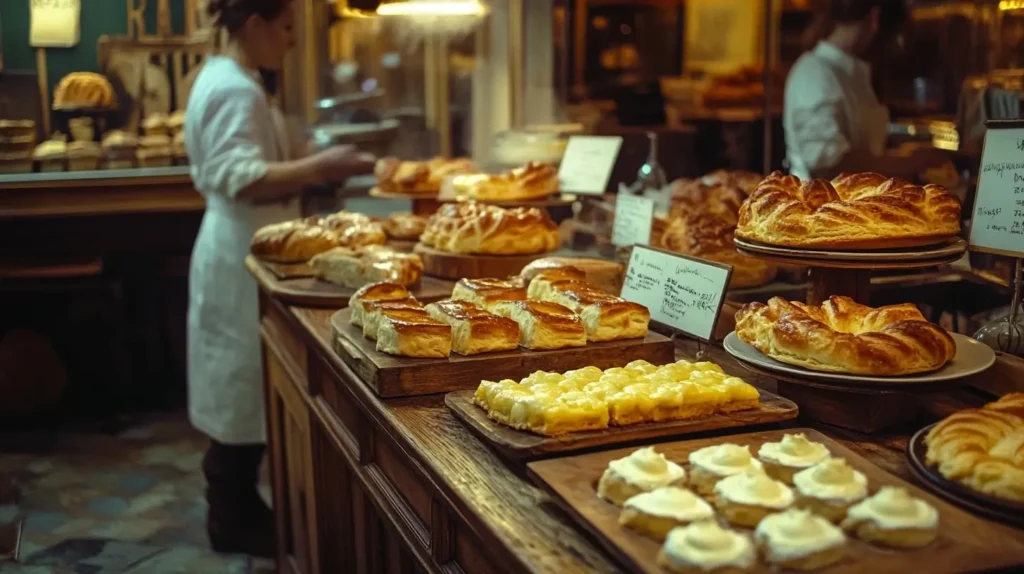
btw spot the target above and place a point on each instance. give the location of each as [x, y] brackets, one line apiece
[754, 488]
[833, 479]
[707, 546]
[725, 459]
[796, 533]
[647, 469]
[671, 502]
[892, 507]
[793, 450]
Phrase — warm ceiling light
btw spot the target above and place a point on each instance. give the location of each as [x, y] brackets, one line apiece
[1011, 5]
[432, 8]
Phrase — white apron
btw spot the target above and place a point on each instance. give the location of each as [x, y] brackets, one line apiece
[231, 133]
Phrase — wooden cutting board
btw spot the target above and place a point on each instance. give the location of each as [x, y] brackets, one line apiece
[391, 376]
[521, 445]
[290, 284]
[965, 542]
[457, 266]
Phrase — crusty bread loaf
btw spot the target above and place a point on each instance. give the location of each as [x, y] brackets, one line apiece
[710, 236]
[853, 211]
[292, 241]
[531, 181]
[469, 227]
[418, 177]
[842, 336]
[475, 330]
[355, 229]
[544, 325]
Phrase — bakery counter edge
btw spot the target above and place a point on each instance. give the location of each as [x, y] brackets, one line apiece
[401, 485]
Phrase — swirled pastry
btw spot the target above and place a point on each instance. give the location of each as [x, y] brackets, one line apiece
[842, 336]
[853, 211]
[355, 229]
[293, 241]
[417, 177]
[405, 225]
[983, 448]
[706, 547]
[893, 518]
[475, 330]
[798, 540]
[487, 229]
[531, 181]
[84, 90]
[710, 236]
[657, 512]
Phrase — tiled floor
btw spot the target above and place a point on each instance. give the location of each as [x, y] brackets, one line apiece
[100, 503]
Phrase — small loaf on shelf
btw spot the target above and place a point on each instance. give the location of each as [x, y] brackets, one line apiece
[84, 90]
[475, 330]
[476, 228]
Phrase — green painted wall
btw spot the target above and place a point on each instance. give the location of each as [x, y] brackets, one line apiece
[99, 17]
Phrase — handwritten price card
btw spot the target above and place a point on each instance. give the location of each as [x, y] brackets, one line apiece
[682, 292]
[634, 217]
[587, 164]
[998, 222]
[54, 23]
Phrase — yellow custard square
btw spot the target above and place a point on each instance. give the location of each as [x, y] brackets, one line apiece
[570, 412]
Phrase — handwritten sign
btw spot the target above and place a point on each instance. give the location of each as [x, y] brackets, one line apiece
[682, 292]
[634, 217]
[587, 164]
[54, 23]
[998, 222]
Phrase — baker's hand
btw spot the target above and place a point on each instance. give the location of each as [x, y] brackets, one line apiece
[338, 163]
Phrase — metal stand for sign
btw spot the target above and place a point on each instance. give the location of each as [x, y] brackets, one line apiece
[1007, 334]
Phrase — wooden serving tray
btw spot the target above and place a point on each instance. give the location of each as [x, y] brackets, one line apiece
[309, 291]
[965, 542]
[462, 266]
[522, 445]
[391, 376]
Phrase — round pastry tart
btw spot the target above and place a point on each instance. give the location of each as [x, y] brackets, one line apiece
[713, 463]
[642, 471]
[745, 499]
[830, 488]
[792, 454]
[704, 547]
[657, 512]
[842, 336]
[893, 518]
[853, 211]
[799, 540]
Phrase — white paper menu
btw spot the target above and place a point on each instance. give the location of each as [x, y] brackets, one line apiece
[634, 218]
[54, 23]
[682, 292]
[588, 163]
[997, 225]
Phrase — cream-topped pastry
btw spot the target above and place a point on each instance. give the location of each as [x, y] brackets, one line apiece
[893, 518]
[829, 488]
[790, 455]
[706, 547]
[642, 471]
[657, 512]
[800, 540]
[746, 498]
[712, 463]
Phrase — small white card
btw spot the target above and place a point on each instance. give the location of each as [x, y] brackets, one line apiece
[634, 217]
[998, 222]
[54, 23]
[588, 163]
[662, 199]
[681, 292]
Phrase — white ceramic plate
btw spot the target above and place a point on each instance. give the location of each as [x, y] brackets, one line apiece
[951, 248]
[971, 358]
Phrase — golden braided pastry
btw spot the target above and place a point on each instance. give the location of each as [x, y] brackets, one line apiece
[709, 236]
[355, 229]
[983, 448]
[418, 177]
[532, 181]
[854, 211]
[747, 181]
[696, 196]
[405, 225]
[842, 336]
[487, 229]
[293, 241]
[84, 90]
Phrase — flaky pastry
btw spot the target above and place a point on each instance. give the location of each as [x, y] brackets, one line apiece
[293, 241]
[475, 330]
[531, 181]
[710, 236]
[418, 177]
[470, 227]
[405, 226]
[372, 264]
[605, 317]
[383, 291]
[543, 325]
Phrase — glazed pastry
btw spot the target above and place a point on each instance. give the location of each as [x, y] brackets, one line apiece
[643, 470]
[417, 177]
[84, 90]
[713, 463]
[292, 241]
[486, 293]
[474, 330]
[531, 181]
[354, 268]
[893, 518]
[792, 454]
[605, 275]
[657, 512]
[374, 292]
[746, 498]
[374, 311]
[842, 336]
[829, 488]
[413, 336]
[476, 228]
[354, 229]
[705, 547]
[543, 325]
[541, 282]
[605, 317]
[798, 540]
[405, 226]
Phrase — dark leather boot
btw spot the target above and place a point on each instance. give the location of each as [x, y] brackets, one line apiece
[238, 520]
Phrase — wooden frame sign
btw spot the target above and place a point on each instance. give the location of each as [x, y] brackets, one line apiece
[997, 225]
[683, 293]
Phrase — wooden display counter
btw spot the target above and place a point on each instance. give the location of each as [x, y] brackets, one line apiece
[363, 484]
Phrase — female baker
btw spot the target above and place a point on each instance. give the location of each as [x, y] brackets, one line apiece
[243, 166]
[832, 119]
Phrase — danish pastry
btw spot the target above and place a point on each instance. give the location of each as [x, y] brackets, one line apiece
[605, 317]
[531, 181]
[293, 241]
[845, 337]
[374, 292]
[477, 228]
[417, 177]
[405, 225]
[413, 335]
[373, 311]
[543, 325]
[372, 264]
[486, 293]
[474, 330]
[605, 275]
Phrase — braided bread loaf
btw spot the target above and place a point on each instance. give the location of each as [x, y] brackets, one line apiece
[854, 211]
[417, 177]
[532, 181]
[84, 90]
[983, 448]
[842, 336]
[709, 236]
[487, 229]
[293, 241]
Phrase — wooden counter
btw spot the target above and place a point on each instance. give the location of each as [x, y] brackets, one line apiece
[369, 485]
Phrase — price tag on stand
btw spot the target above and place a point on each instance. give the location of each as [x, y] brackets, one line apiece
[588, 163]
[634, 218]
[997, 225]
[682, 292]
[54, 23]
